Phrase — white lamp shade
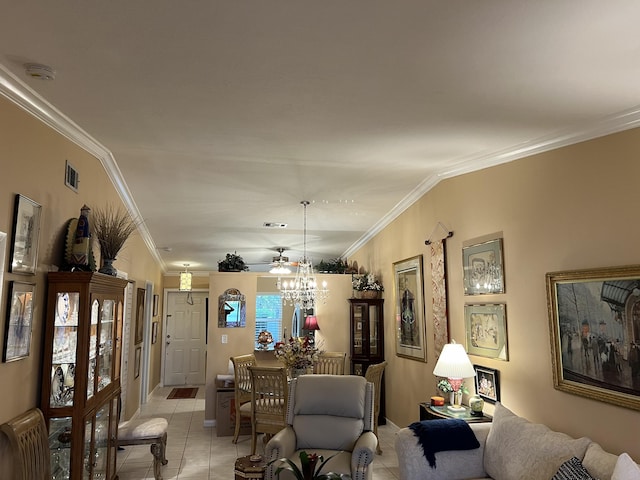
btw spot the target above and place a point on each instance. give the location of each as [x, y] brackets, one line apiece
[185, 281]
[454, 362]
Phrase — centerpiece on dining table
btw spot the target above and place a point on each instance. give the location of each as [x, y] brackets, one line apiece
[298, 354]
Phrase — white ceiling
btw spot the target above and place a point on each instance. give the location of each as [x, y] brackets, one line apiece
[223, 115]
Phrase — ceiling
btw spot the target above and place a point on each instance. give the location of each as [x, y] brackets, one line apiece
[214, 117]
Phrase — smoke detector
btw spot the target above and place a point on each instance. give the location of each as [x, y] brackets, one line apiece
[39, 71]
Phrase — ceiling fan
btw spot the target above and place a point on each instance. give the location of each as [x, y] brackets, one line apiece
[280, 263]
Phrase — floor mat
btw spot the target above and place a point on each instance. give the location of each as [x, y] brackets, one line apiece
[183, 393]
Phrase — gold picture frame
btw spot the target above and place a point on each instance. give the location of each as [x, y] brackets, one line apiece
[409, 309]
[595, 336]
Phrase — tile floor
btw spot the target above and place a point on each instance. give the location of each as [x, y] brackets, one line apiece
[196, 453]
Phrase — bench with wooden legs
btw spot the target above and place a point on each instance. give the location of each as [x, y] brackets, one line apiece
[147, 431]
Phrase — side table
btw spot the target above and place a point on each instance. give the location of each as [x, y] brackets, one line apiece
[431, 412]
[245, 468]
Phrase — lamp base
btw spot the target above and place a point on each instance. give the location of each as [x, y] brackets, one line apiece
[455, 408]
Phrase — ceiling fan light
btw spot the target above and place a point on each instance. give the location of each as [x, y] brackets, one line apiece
[280, 270]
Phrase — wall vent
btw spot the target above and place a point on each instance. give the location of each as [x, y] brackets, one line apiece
[274, 225]
[71, 177]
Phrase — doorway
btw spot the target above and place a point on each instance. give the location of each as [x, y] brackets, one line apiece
[185, 348]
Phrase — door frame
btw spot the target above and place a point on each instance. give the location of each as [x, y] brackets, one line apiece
[165, 303]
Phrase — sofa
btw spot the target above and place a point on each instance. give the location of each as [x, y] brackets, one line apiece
[512, 448]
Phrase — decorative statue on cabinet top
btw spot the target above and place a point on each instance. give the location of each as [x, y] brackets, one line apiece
[112, 227]
[78, 251]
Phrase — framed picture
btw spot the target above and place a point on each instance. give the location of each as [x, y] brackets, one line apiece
[483, 268]
[155, 305]
[409, 309]
[140, 295]
[154, 332]
[487, 383]
[26, 230]
[17, 336]
[136, 364]
[486, 330]
[593, 321]
[3, 251]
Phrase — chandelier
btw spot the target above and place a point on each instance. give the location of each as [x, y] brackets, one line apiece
[303, 291]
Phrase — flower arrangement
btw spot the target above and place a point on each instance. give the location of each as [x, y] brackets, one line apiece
[308, 463]
[297, 352]
[112, 227]
[445, 387]
[366, 281]
[232, 263]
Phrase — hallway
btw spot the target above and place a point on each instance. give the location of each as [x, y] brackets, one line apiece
[196, 453]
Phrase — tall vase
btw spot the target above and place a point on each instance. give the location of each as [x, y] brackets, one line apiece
[108, 268]
[296, 372]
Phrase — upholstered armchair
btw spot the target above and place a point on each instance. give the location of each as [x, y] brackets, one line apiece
[327, 415]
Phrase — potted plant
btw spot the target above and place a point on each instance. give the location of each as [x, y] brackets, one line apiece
[308, 471]
[336, 265]
[366, 286]
[112, 227]
[232, 263]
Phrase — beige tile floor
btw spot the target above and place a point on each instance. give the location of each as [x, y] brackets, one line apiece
[195, 452]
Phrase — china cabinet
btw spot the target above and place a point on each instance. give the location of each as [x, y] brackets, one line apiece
[81, 373]
[367, 339]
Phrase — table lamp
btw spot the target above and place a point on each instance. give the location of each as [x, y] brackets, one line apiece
[454, 364]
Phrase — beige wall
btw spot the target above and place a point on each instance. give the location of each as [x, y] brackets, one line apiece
[32, 163]
[333, 318]
[572, 208]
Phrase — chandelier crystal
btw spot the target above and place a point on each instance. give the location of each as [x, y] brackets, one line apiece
[303, 290]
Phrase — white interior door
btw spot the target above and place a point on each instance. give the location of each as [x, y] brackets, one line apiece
[185, 347]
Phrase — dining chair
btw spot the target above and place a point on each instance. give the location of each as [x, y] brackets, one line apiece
[330, 363]
[374, 375]
[269, 399]
[242, 389]
[29, 446]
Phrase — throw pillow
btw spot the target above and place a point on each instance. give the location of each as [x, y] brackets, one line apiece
[599, 464]
[572, 469]
[517, 448]
[626, 469]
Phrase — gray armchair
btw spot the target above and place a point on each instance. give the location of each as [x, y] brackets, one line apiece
[328, 414]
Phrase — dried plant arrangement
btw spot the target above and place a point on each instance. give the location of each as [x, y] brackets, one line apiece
[112, 227]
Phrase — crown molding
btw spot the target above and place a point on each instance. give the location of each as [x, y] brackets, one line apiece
[615, 123]
[26, 98]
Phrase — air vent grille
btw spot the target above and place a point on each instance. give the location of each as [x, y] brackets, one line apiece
[71, 177]
[274, 225]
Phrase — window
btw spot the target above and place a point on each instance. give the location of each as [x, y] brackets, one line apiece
[269, 316]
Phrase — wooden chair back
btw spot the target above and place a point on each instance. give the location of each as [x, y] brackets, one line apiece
[374, 375]
[270, 394]
[330, 363]
[242, 388]
[29, 444]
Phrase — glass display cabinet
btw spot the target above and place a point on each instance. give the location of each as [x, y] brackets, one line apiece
[81, 382]
[367, 339]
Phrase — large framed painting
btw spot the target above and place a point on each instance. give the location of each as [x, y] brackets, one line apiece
[483, 268]
[594, 321]
[17, 337]
[409, 309]
[26, 232]
[486, 330]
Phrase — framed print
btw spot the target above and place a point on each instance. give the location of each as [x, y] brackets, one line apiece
[154, 332]
[487, 383]
[155, 305]
[17, 336]
[136, 364]
[3, 251]
[409, 309]
[595, 332]
[26, 230]
[483, 268]
[140, 295]
[486, 330]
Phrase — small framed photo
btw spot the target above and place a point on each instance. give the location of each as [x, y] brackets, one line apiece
[155, 305]
[136, 365]
[483, 268]
[17, 336]
[486, 330]
[154, 332]
[487, 383]
[26, 232]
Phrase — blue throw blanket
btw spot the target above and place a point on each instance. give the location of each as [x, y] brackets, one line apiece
[441, 435]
